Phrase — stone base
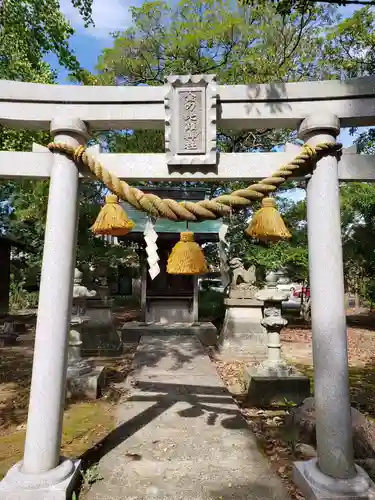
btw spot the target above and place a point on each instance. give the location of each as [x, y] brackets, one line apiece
[242, 335]
[100, 341]
[238, 293]
[315, 485]
[265, 390]
[206, 332]
[169, 311]
[56, 484]
[88, 385]
[99, 311]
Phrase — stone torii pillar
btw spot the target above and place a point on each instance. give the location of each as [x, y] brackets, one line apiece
[333, 474]
[43, 473]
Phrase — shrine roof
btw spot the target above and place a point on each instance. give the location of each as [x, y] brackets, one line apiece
[208, 229]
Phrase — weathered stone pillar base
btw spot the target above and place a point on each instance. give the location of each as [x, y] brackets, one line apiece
[243, 335]
[315, 485]
[55, 484]
[87, 385]
[275, 387]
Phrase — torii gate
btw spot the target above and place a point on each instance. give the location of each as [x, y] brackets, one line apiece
[317, 109]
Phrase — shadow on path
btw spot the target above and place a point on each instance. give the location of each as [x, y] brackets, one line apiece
[202, 399]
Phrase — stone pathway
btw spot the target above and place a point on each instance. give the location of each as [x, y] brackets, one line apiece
[180, 435]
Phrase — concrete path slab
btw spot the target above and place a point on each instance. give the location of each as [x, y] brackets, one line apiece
[180, 435]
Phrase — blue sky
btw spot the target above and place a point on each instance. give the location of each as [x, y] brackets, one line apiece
[113, 15]
[109, 16]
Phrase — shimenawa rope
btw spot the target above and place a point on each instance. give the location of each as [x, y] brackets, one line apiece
[205, 209]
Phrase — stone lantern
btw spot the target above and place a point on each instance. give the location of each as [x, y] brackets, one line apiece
[83, 378]
[274, 382]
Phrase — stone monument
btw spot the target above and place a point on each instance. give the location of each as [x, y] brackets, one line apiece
[274, 382]
[100, 274]
[99, 335]
[243, 335]
[83, 379]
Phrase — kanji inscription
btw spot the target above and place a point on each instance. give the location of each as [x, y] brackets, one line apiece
[191, 133]
[190, 120]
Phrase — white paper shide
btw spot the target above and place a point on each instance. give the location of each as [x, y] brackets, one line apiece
[151, 249]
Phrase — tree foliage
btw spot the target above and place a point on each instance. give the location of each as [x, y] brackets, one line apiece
[358, 228]
[238, 44]
[286, 7]
[29, 30]
[350, 45]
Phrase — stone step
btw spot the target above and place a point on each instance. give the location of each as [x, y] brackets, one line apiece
[206, 332]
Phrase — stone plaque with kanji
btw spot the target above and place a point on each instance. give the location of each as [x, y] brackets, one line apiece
[190, 126]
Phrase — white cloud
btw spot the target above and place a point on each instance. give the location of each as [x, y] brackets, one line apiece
[108, 16]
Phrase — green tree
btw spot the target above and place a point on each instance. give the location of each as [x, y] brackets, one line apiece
[350, 45]
[285, 7]
[29, 30]
[239, 45]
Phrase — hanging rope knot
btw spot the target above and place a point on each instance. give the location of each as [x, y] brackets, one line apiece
[269, 202]
[187, 236]
[111, 198]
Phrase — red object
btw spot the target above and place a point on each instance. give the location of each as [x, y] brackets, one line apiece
[305, 291]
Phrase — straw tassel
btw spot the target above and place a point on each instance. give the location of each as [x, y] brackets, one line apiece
[267, 224]
[112, 219]
[187, 257]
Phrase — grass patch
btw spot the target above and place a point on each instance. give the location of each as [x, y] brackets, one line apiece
[362, 386]
[11, 450]
[85, 424]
